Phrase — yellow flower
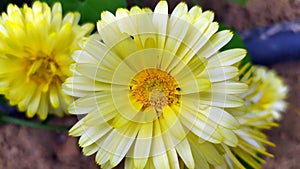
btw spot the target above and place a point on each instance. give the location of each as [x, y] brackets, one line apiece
[267, 93]
[251, 147]
[35, 54]
[151, 86]
[264, 102]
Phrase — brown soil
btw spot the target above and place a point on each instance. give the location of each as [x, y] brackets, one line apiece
[255, 13]
[29, 148]
[287, 136]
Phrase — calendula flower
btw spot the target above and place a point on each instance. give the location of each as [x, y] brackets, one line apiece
[35, 54]
[264, 102]
[151, 86]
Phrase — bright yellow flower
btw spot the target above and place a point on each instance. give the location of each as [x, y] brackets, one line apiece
[151, 86]
[35, 54]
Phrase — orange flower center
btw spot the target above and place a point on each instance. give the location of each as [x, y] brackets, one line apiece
[154, 88]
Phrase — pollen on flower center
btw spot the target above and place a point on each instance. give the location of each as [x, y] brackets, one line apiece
[154, 88]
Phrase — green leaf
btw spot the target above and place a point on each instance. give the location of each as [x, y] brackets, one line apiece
[90, 10]
[238, 1]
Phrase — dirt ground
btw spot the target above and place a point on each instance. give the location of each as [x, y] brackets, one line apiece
[255, 13]
[287, 135]
[30, 148]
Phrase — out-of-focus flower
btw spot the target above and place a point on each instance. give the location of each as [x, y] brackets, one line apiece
[264, 102]
[251, 146]
[154, 86]
[266, 94]
[35, 54]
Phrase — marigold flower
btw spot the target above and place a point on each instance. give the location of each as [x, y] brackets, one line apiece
[35, 54]
[151, 86]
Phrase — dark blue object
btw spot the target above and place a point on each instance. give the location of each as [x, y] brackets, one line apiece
[273, 44]
[6, 108]
[11, 110]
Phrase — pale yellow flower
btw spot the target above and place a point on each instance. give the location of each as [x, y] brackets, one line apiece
[264, 102]
[251, 148]
[153, 86]
[35, 54]
[267, 93]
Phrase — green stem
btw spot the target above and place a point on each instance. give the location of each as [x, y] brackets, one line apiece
[8, 119]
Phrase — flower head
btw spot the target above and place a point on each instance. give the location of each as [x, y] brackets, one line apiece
[152, 86]
[35, 54]
[264, 102]
[267, 93]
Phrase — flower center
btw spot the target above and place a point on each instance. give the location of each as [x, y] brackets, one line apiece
[154, 88]
[43, 70]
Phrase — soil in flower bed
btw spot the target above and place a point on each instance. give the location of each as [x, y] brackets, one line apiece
[253, 14]
[31, 148]
[287, 135]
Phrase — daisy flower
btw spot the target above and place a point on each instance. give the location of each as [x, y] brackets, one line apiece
[267, 93]
[264, 102]
[151, 86]
[35, 54]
